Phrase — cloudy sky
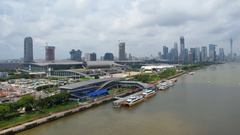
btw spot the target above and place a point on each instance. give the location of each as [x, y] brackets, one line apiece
[97, 25]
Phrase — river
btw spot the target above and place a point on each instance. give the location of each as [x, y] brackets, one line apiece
[191, 107]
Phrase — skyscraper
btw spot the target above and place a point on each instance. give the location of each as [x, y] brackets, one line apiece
[28, 49]
[175, 55]
[190, 56]
[122, 51]
[91, 56]
[159, 55]
[129, 56]
[204, 53]
[50, 53]
[108, 56]
[197, 54]
[75, 55]
[221, 54]
[212, 52]
[182, 47]
[185, 54]
[193, 54]
[165, 51]
[231, 41]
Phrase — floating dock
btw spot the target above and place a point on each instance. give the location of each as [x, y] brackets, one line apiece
[120, 100]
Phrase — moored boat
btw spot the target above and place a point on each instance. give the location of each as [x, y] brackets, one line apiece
[163, 86]
[170, 83]
[133, 100]
[174, 79]
[191, 73]
[148, 93]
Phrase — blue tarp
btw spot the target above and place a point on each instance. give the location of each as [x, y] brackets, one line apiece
[96, 93]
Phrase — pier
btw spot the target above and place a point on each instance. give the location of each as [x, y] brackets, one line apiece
[120, 101]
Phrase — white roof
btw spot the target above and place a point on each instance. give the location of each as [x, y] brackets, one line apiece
[161, 66]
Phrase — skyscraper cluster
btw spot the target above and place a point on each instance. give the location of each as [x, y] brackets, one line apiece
[196, 54]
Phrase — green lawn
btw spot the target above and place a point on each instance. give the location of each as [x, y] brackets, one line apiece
[63, 106]
[22, 118]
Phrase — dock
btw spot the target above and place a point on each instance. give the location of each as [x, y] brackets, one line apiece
[120, 100]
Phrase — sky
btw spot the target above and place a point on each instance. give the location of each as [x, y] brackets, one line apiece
[98, 25]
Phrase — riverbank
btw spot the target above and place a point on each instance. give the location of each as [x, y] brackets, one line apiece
[54, 116]
[16, 128]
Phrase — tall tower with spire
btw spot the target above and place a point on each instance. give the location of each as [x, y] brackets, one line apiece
[231, 41]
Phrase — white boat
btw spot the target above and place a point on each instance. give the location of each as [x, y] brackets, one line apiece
[133, 100]
[163, 86]
[170, 83]
[148, 93]
[191, 73]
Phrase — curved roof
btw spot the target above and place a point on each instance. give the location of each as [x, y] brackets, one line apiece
[100, 64]
[87, 83]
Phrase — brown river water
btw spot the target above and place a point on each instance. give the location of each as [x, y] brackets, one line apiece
[190, 107]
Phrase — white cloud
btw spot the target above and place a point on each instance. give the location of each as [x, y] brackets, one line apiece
[96, 26]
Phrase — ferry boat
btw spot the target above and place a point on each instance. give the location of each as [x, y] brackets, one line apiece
[148, 93]
[163, 86]
[133, 100]
[191, 73]
[174, 79]
[170, 83]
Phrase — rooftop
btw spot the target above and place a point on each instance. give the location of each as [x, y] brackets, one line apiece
[84, 83]
[63, 62]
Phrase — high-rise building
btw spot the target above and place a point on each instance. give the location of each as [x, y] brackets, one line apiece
[171, 54]
[126, 58]
[182, 47]
[234, 55]
[50, 53]
[204, 53]
[185, 54]
[193, 54]
[212, 52]
[175, 51]
[122, 51]
[91, 56]
[231, 41]
[221, 54]
[129, 56]
[28, 49]
[190, 57]
[165, 51]
[197, 54]
[108, 56]
[75, 55]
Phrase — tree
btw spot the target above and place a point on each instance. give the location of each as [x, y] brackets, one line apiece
[185, 68]
[26, 101]
[4, 110]
[96, 77]
[10, 73]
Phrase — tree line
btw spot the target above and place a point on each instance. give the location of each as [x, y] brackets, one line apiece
[10, 110]
[18, 76]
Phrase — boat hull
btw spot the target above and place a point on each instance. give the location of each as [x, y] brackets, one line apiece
[163, 88]
[150, 95]
[126, 104]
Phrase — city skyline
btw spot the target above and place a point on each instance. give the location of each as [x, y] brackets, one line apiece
[98, 26]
